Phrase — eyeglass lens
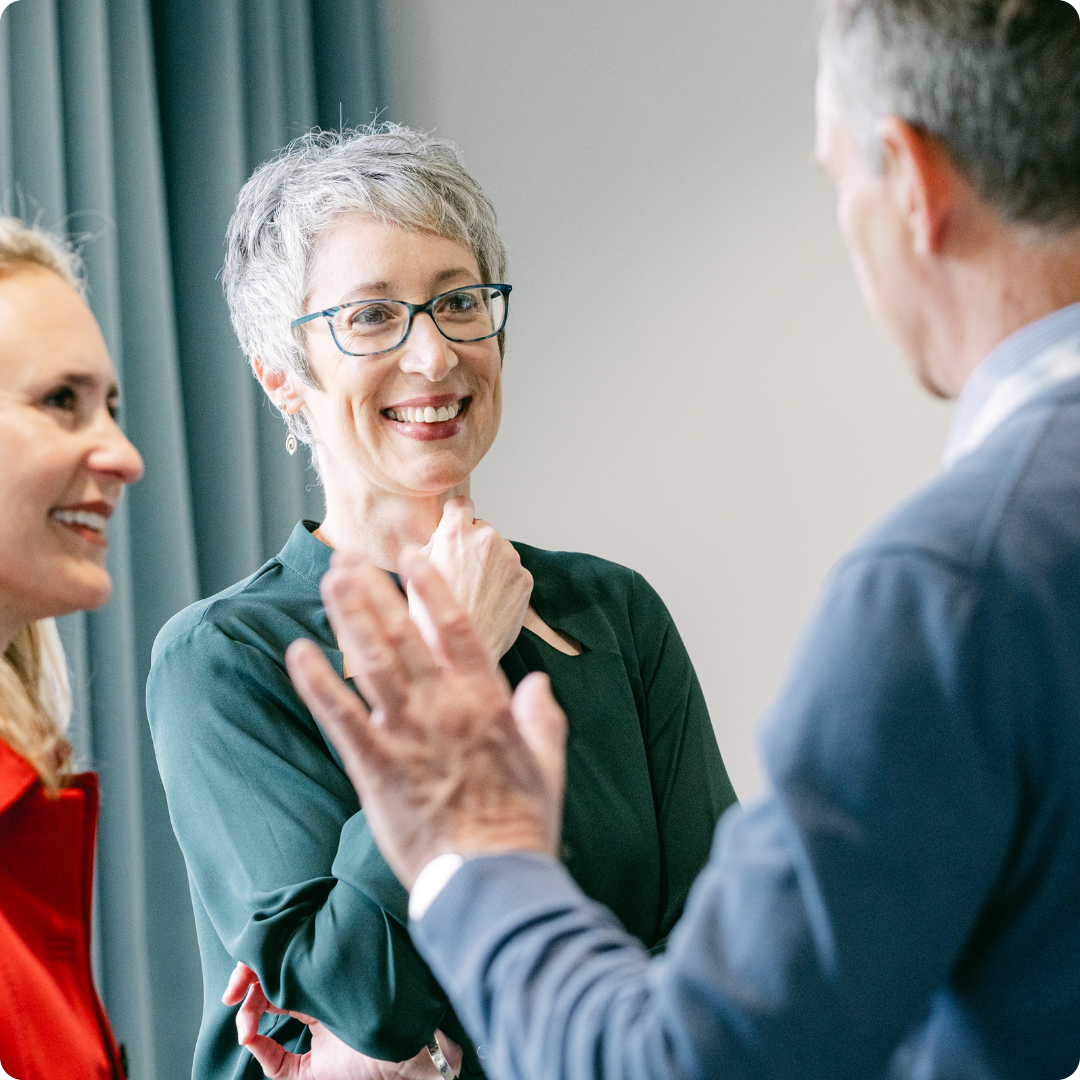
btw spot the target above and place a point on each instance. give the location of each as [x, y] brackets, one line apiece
[378, 325]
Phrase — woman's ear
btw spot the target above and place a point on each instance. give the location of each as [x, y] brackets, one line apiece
[282, 388]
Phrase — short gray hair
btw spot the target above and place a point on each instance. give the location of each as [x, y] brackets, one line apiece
[22, 244]
[397, 175]
[997, 81]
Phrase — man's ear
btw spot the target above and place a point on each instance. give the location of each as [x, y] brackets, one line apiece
[923, 180]
[282, 388]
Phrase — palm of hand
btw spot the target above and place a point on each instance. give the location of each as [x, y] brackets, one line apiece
[455, 770]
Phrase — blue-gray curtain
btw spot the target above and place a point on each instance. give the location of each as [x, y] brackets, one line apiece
[132, 124]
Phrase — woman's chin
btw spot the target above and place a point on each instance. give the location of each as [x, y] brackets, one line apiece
[434, 486]
[83, 588]
[432, 474]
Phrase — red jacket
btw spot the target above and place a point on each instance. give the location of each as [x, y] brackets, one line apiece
[52, 1024]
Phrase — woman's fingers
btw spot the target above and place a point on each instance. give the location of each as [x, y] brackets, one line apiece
[339, 711]
[251, 1012]
[245, 989]
[453, 629]
[276, 1062]
[239, 981]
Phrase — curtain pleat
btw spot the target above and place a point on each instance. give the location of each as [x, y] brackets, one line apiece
[130, 125]
[200, 81]
[350, 61]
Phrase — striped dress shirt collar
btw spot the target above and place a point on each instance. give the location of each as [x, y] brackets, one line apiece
[1034, 359]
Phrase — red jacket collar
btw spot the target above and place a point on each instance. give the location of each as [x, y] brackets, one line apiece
[17, 776]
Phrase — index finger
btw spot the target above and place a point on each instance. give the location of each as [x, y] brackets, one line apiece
[239, 981]
[454, 630]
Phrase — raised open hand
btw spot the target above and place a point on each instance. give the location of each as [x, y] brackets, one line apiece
[484, 573]
[329, 1058]
[446, 761]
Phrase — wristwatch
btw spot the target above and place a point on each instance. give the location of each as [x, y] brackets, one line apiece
[435, 1050]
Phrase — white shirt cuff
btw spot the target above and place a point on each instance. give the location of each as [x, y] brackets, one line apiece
[431, 881]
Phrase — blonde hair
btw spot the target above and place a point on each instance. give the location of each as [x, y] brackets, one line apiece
[35, 695]
[35, 701]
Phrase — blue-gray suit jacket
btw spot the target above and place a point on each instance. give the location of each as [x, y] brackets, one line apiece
[904, 900]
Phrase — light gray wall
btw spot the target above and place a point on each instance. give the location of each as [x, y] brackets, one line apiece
[693, 387]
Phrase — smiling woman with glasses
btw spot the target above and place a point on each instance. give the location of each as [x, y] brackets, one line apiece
[364, 275]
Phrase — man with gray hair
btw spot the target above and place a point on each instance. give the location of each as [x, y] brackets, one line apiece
[904, 899]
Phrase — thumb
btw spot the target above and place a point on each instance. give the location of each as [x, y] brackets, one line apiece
[275, 1061]
[459, 511]
[542, 725]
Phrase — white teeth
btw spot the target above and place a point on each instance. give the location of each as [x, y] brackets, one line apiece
[426, 415]
[81, 517]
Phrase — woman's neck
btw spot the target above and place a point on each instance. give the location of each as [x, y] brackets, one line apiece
[12, 621]
[381, 523]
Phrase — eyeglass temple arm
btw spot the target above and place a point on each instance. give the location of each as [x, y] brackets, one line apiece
[314, 315]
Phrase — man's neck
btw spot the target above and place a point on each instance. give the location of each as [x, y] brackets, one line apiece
[1021, 280]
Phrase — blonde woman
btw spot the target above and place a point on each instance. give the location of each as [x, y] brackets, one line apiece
[64, 465]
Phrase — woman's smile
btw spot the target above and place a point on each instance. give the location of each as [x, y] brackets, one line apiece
[433, 416]
[86, 520]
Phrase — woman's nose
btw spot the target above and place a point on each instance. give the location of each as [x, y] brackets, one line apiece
[114, 455]
[427, 352]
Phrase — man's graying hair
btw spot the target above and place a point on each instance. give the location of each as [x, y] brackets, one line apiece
[997, 81]
[397, 175]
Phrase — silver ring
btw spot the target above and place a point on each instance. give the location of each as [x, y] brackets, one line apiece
[439, 1058]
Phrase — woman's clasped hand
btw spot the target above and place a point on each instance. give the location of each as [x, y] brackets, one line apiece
[485, 573]
[328, 1057]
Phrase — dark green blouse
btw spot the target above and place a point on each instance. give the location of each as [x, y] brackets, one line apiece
[284, 873]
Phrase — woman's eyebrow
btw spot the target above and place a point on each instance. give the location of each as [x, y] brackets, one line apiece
[372, 287]
[79, 380]
[448, 275]
[383, 288]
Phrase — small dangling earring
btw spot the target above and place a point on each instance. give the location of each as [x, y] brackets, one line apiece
[291, 443]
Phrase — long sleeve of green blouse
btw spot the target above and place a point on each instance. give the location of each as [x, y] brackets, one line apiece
[284, 873]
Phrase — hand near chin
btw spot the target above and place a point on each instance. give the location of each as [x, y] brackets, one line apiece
[484, 573]
[329, 1058]
[446, 760]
